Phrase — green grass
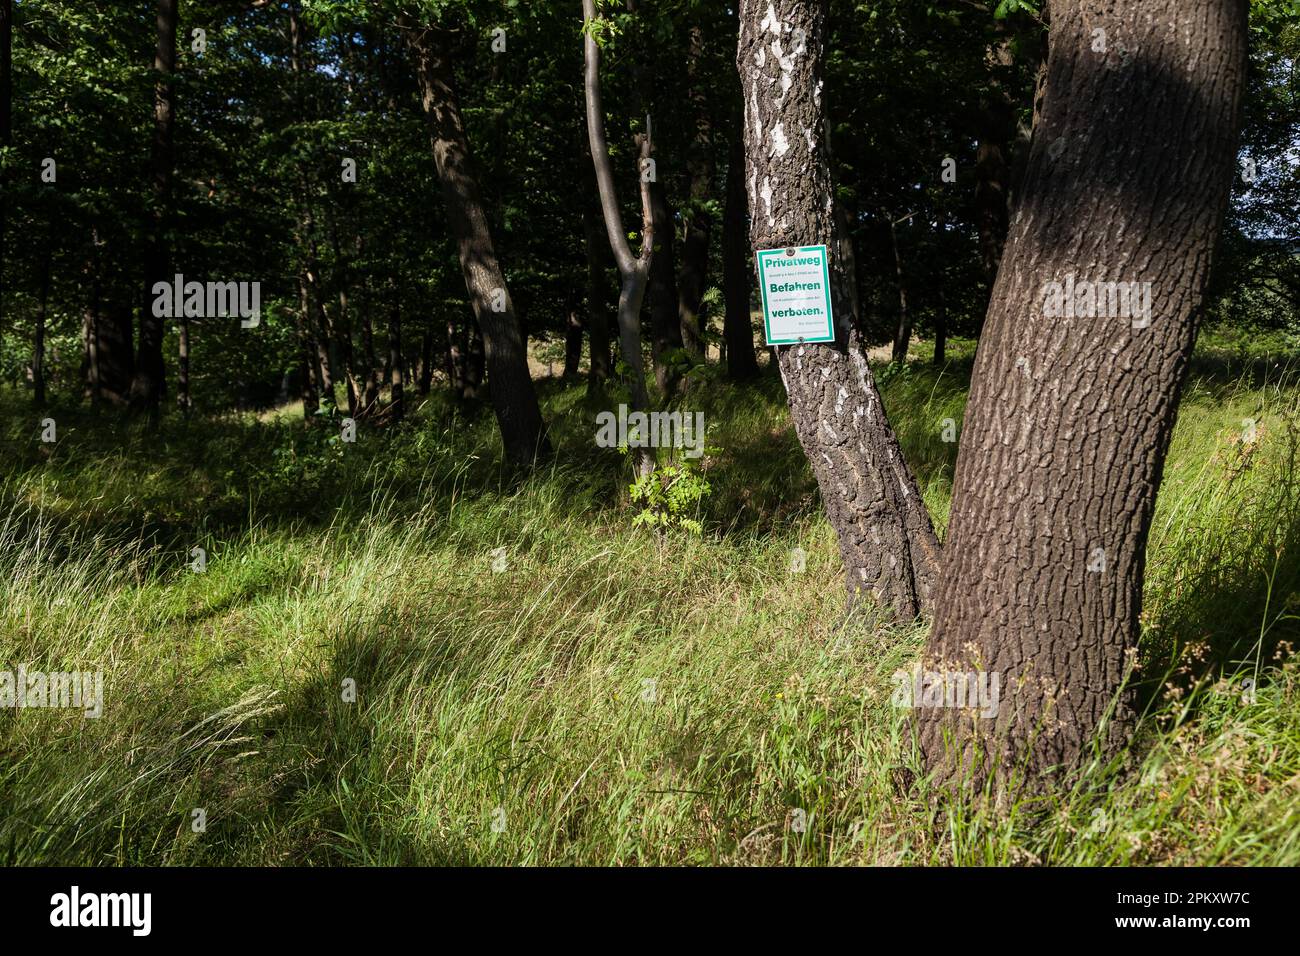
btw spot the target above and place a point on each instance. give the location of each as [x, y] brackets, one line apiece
[610, 697]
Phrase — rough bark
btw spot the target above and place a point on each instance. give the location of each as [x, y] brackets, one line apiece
[737, 322]
[523, 433]
[1069, 418]
[147, 384]
[633, 270]
[872, 500]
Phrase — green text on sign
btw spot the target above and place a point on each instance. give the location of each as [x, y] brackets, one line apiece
[796, 286]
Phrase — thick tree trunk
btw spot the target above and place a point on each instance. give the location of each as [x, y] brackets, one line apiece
[523, 433]
[694, 276]
[633, 271]
[737, 322]
[1070, 414]
[872, 500]
[147, 385]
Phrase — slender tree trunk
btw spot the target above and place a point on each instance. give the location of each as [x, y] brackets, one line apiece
[147, 384]
[872, 500]
[600, 364]
[38, 338]
[633, 271]
[694, 276]
[309, 388]
[661, 289]
[398, 403]
[371, 394]
[738, 323]
[848, 257]
[523, 433]
[455, 361]
[573, 341]
[1070, 414]
[903, 335]
[941, 307]
[425, 382]
[183, 367]
[344, 325]
[941, 328]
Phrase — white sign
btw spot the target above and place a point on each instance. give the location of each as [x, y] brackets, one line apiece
[796, 286]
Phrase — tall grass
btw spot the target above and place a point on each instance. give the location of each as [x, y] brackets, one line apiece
[608, 697]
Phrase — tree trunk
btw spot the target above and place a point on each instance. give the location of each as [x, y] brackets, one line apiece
[344, 329]
[38, 338]
[147, 384]
[183, 367]
[1069, 418]
[941, 328]
[398, 403]
[738, 322]
[633, 271]
[661, 289]
[425, 382]
[871, 498]
[523, 433]
[371, 394]
[903, 334]
[114, 359]
[600, 363]
[573, 342]
[694, 276]
[309, 370]
[475, 360]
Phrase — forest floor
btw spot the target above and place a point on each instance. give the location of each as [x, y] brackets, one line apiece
[538, 681]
